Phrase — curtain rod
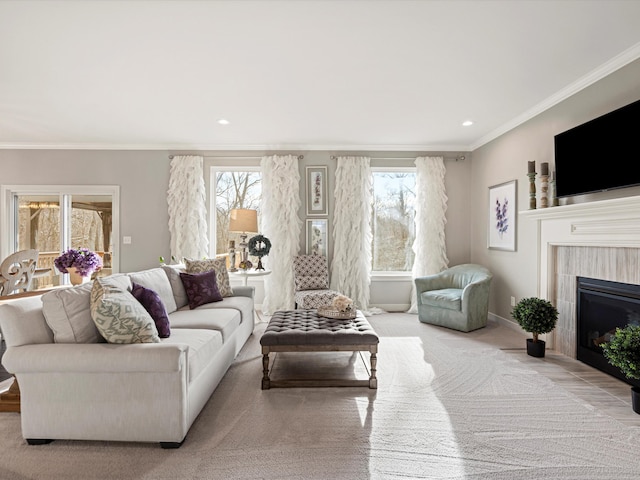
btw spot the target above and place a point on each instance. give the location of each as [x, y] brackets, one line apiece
[459, 157]
[300, 157]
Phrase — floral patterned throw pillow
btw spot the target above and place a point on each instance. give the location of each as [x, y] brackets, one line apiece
[201, 288]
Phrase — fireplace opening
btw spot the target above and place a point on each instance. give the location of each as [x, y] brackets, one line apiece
[602, 306]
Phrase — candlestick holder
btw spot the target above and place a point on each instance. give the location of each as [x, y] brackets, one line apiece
[554, 197]
[532, 190]
[232, 256]
[544, 191]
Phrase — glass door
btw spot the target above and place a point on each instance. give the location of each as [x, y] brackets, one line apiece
[52, 219]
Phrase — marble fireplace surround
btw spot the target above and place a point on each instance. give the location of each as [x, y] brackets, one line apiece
[596, 239]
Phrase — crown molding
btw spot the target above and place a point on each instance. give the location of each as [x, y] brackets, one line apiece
[617, 62]
[234, 147]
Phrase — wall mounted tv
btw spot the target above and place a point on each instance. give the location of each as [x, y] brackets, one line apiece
[599, 155]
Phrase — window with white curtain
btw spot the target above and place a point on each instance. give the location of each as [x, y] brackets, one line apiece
[231, 187]
[393, 223]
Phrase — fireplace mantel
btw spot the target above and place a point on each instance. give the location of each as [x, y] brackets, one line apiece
[605, 223]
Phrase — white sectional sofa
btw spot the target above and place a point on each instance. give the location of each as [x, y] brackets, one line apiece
[75, 386]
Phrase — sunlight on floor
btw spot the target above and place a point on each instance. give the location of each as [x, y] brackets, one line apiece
[392, 418]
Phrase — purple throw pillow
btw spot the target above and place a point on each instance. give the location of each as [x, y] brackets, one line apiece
[152, 303]
[201, 288]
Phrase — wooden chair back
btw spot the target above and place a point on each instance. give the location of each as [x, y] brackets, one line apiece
[16, 271]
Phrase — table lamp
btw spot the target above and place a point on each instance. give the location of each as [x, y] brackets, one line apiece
[243, 221]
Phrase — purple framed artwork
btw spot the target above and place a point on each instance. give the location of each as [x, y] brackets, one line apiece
[502, 216]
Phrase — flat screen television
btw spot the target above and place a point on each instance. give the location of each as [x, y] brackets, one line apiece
[599, 155]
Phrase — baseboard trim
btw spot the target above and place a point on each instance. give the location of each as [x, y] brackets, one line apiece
[507, 323]
[392, 307]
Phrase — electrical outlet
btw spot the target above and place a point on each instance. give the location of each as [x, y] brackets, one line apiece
[513, 301]
[126, 240]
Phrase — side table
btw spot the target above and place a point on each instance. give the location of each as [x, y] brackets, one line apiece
[245, 274]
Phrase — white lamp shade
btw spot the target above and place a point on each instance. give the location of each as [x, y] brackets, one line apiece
[243, 220]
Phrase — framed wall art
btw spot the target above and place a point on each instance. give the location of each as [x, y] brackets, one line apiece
[317, 238]
[502, 216]
[317, 191]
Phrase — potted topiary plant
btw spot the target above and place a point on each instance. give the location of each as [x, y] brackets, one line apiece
[623, 351]
[536, 316]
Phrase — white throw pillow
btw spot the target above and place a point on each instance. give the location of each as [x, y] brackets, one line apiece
[68, 314]
[156, 280]
[179, 293]
[119, 317]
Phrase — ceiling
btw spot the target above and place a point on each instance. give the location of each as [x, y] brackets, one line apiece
[297, 75]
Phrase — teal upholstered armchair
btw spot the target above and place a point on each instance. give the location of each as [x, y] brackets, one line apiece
[456, 298]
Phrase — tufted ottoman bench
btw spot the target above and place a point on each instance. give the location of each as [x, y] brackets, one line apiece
[306, 331]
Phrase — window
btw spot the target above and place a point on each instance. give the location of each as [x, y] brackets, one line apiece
[232, 188]
[393, 219]
[52, 219]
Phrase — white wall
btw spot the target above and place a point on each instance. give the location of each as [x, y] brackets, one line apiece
[143, 177]
[505, 158]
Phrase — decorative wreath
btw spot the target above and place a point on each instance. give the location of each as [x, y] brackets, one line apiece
[259, 246]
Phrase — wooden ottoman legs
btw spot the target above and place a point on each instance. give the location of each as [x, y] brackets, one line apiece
[373, 381]
[266, 383]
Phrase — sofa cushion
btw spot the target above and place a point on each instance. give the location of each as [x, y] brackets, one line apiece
[203, 346]
[22, 322]
[224, 320]
[173, 274]
[156, 280]
[68, 315]
[201, 288]
[219, 265]
[119, 317]
[446, 298]
[153, 304]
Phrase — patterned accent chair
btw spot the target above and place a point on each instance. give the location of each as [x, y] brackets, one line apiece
[456, 298]
[311, 277]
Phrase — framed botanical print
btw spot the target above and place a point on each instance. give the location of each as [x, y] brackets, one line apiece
[502, 216]
[317, 191]
[317, 243]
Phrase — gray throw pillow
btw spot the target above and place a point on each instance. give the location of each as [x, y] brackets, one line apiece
[119, 317]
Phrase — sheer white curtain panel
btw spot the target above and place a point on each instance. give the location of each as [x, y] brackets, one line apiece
[431, 206]
[281, 225]
[351, 264]
[186, 198]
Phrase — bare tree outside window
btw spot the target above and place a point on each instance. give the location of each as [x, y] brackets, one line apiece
[393, 221]
[234, 189]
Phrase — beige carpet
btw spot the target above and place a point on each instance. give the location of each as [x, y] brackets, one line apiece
[449, 406]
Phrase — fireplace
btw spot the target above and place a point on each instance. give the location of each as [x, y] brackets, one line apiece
[601, 307]
[596, 240]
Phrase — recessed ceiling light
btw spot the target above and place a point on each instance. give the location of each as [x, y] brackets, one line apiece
[223, 121]
[467, 123]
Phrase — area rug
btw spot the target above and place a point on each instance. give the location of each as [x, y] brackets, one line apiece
[448, 406]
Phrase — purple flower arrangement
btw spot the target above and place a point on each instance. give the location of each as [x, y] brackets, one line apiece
[502, 220]
[84, 260]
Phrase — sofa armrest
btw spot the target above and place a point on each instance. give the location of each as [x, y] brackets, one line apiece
[95, 358]
[244, 291]
[476, 293]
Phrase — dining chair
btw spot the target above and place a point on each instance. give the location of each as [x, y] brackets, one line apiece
[16, 271]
